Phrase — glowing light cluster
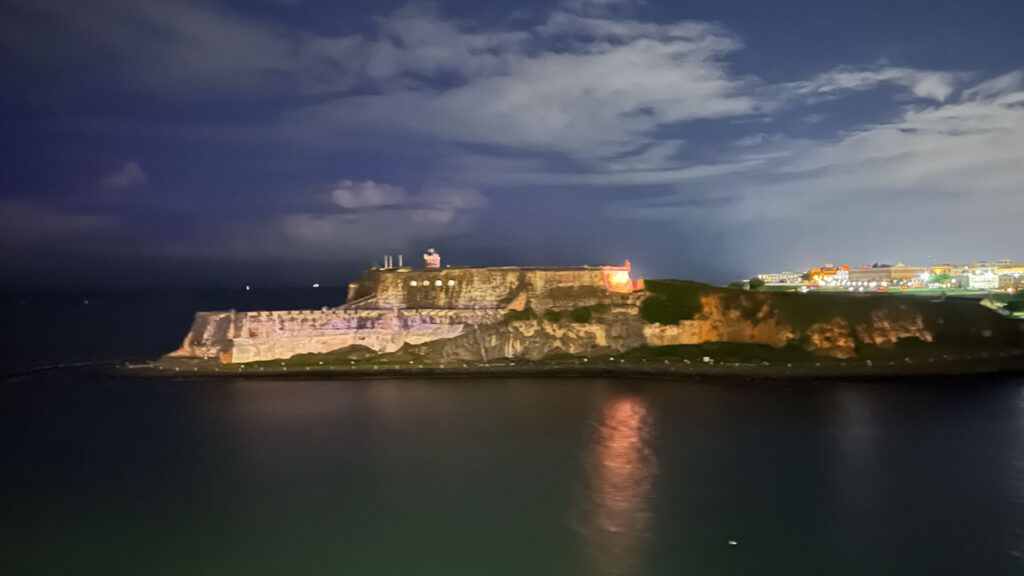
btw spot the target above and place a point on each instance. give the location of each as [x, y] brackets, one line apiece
[616, 279]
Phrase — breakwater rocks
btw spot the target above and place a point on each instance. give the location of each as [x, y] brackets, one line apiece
[720, 366]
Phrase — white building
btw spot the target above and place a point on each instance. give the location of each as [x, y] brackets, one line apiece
[781, 277]
[983, 280]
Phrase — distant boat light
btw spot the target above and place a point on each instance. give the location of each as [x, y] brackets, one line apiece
[316, 285]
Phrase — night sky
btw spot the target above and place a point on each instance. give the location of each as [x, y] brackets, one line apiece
[217, 143]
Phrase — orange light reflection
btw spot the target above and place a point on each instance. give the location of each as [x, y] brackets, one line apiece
[620, 470]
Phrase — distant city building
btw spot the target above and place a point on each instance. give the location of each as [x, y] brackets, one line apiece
[898, 274]
[983, 279]
[901, 273]
[1011, 269]
[829, 274]
[944, 269]
[869, 274]
[1013, 282]
[981, 275]
[781, 277]
[994, 264]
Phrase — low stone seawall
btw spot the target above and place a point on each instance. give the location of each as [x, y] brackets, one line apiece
[234, 337]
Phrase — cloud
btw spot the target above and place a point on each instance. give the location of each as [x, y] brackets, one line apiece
[588, 86]
[378, 217]
[591, 81]
[755, 139]
[368, 194]
[624, 178]
[997, 88]
[582, 86]
[926, 84]
[131, 174]
[589, 94]
[171, 47]
[602, 7]
[959, 164]
[27, 224]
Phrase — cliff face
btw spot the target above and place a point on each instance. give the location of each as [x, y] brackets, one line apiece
[614, 331]
[759, 321]
[623, 329]
[833, 338]
[717, 323]
[887, 328]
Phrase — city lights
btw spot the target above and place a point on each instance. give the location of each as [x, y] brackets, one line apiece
[1000, 275]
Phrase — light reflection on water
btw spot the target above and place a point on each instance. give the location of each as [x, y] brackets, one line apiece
[1017, 476]
[620, 470]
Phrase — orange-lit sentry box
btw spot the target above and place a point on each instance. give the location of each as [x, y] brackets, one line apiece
[616, 279]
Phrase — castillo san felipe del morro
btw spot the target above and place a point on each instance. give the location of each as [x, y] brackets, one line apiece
[454, 314]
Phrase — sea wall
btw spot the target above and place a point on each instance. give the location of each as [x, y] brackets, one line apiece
[238, 337]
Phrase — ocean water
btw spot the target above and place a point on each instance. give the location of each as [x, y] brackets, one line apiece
[47, 328]
[114, 475]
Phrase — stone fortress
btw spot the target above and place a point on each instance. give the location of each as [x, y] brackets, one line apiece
[390, 307]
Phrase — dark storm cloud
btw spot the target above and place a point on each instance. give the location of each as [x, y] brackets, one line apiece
[268, 136]
[167, 46]
[30, 224]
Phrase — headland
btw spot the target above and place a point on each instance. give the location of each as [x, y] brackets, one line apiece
[596, 319]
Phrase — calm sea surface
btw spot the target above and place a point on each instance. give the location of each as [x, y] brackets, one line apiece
[102, 475]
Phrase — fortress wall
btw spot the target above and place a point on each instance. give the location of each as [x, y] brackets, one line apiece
[469, 288]
[460, 288]
[236, 337]
[393, 308]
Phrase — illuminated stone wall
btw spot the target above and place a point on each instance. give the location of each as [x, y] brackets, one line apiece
[476, 288]
[238, 337]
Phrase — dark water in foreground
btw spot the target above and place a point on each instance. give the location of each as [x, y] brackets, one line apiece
[531, 476]
[103, 475]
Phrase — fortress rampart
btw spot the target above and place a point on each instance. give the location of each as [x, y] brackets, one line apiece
[476, 288]
[238, 337]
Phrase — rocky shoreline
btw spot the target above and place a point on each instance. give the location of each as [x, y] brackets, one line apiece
[967, 365]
